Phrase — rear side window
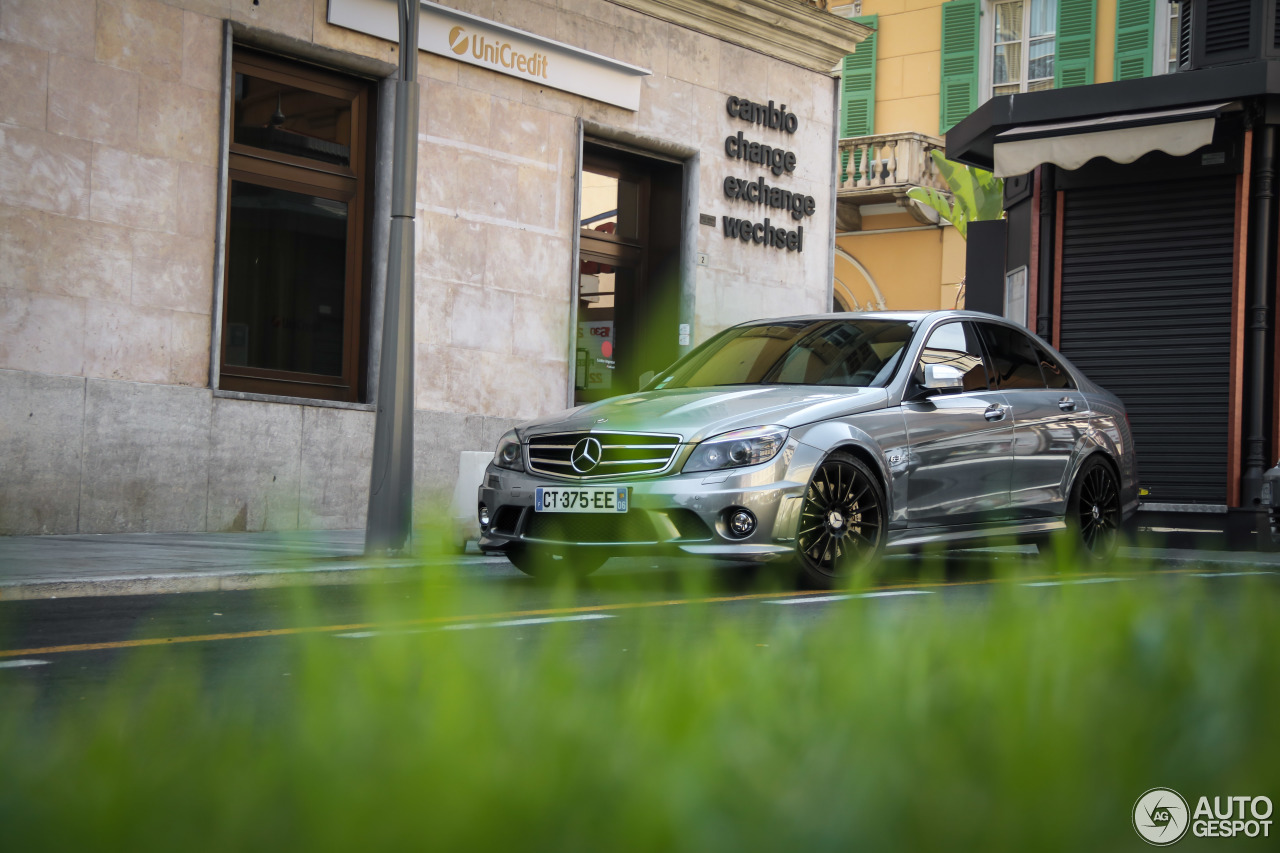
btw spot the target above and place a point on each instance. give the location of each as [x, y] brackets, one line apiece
[1014, 358]
[1054, 375]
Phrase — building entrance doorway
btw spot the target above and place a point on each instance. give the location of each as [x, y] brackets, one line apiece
[628, 286]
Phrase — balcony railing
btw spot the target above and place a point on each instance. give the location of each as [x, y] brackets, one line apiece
[889, 160]
[880, 169]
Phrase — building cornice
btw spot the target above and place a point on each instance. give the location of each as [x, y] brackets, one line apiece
[790, 30]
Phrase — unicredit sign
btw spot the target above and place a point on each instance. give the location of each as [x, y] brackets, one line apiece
[487, 44]
[496, 53]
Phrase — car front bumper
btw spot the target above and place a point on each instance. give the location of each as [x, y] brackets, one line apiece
[672, 514]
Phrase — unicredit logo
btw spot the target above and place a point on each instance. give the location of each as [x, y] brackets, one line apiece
[498, 53]
[458, 40]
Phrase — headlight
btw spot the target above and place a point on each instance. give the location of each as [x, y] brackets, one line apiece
[508, 454]
[737, 449]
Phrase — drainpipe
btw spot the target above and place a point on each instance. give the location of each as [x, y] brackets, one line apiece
[1044, 281]
[1261, 226]
[389, 521]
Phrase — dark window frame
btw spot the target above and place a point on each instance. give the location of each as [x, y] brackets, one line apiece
[351, 184]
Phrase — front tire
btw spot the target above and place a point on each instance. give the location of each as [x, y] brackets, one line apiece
[1093, 511]
[546, 563]
[842, 522]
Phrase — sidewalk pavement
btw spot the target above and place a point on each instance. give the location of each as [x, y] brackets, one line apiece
[82, 565]
[150, 563]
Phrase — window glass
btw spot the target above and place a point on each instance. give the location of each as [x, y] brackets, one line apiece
[1054, 375]
[1014, 358]
[610, 203]
[1023, 46]
[848, 354]
[955, 344]
[289, 120]
[286, 286]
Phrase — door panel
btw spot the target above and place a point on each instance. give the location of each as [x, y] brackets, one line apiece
[1047, 427]
[1049, 417]
[961, 440]
[959, 466]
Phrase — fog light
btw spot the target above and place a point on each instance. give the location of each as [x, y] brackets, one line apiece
[484, 517]
[741, 522]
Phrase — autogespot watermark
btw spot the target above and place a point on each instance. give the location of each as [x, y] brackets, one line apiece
[1161, 816]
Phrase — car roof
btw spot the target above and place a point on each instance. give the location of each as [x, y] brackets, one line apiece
[905, 316]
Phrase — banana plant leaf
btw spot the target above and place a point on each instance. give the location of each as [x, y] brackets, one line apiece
[976, 195]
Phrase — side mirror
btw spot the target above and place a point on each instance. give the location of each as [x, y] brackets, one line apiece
[646, 378]
[943, 377]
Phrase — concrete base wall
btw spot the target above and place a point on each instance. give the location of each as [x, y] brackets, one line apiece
[84, 455]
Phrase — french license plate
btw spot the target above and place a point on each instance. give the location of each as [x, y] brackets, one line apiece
[597, 499]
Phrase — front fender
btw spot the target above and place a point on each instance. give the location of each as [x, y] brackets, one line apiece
[876, 438]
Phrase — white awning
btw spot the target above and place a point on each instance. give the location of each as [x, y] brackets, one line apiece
[1122, 138]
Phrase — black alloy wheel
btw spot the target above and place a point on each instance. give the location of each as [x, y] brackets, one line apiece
[1094, 509]
[842, 521]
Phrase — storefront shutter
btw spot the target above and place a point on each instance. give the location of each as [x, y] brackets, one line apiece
[1146, 313]
[960, 51]
[1135, 27]
[858, 91]
[1073, 64]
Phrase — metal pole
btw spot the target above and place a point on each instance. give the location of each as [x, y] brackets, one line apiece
[388, 526]
[1258, 334]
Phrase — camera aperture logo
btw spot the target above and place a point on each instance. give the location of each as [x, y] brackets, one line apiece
[1160, 816]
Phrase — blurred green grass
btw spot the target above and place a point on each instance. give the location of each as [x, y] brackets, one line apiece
[1015, 719]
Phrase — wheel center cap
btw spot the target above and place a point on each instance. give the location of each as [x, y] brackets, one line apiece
[835, 519]
[1097, 513]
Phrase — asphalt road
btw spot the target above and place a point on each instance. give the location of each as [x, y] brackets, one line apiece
[58, 647]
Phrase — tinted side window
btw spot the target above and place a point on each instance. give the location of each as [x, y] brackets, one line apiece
[1014, 358]
[1054, 375]
[957, 345]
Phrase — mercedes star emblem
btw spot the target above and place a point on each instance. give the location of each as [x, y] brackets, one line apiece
[586, 455]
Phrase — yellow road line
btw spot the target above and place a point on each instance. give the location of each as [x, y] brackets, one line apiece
[517, 614]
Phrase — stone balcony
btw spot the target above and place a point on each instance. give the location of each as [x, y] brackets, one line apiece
[879, 171]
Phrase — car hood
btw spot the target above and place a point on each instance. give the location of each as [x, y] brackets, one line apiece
[698, 413]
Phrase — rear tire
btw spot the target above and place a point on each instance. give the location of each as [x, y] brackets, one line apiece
[842, 522]
[1093, 511]
[547, 563]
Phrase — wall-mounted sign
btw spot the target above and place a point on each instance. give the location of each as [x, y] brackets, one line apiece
[777, 160]
[497, 47]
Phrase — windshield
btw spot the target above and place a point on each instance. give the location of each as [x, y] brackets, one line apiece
[848, 353]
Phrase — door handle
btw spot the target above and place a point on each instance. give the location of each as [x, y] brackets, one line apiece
[994, 412]
[1066, 404]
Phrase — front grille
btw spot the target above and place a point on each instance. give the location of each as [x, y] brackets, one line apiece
[590, 528]
[621, 454]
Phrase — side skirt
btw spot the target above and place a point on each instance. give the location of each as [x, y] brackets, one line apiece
[916, 537]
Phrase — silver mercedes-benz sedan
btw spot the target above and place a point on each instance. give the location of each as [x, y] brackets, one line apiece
[818, 442]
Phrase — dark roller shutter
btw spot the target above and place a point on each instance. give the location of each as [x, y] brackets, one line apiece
[1146, 313]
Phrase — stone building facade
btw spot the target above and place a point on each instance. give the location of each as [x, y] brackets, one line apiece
[145, 384]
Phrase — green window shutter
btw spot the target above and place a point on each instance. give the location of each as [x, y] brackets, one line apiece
[960, 52]
[858, 90]
[1073, 62]
[1135, 34]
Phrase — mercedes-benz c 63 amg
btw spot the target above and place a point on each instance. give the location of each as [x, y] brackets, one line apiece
[817, 442]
